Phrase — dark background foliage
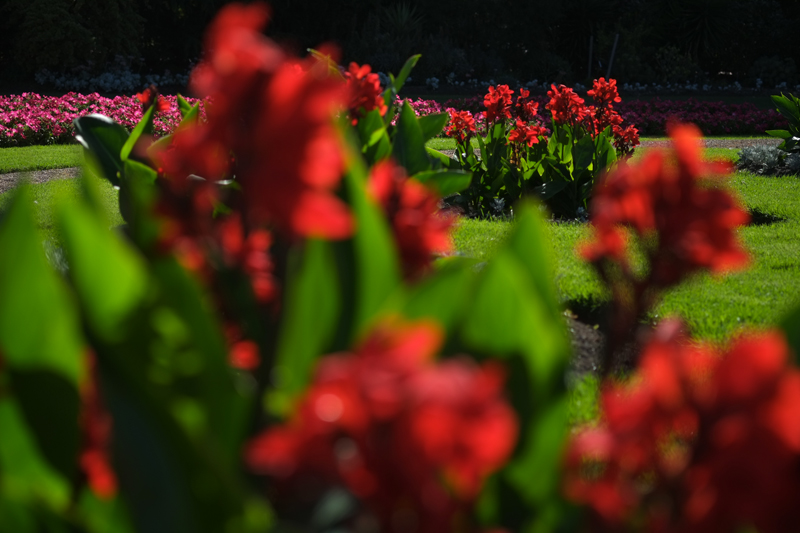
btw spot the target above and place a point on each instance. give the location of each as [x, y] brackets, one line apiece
[659, 40]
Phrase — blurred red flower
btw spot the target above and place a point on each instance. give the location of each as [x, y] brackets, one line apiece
[677, 446]
[275, 114]
[96, 427]
[408, 436]
[420, 229]
[150, 97]
[694, 224]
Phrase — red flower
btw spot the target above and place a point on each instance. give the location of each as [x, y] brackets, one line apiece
[413, 210]
[275, 115]
[625, 140]
[523, 133]
[462, 126]
[702, 441]
[565, 105]
[604, 93]
[96, 425]
[498, 103]
[364, 89]
[694, 224]
[525, 109]
[150, 97]
[402, 433]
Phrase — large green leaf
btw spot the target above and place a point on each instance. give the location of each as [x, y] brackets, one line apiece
[409, 144]
[444, 296]
[432, 125]
[445, 182]
[514, 315]
[583, 153]
[310, 316]
[375, 143]
[104, 139]
[109, 275]
[38, 324]
[369, 261]
[443, 159]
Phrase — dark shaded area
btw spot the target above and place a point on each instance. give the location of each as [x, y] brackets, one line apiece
[659, 40]
[761, 218]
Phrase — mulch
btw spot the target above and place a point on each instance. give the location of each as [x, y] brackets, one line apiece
[587, 339]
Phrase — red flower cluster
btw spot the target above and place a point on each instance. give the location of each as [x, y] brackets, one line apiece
[413, 210]
[523, 133]
[525, 109]
[566, 106]
[275, 114]
[498, 103]
[625, 140]
[676, 450]
[694, 224]
[412, 439]
[150, 97]
[364, 88]
[461, 126]
[95, 423]
[604, 93]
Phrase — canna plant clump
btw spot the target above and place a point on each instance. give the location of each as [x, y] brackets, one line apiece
[277, 338]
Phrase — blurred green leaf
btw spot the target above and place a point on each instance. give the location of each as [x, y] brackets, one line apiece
[183, 106]
[309, 321]
[25, 477]
[38, 325]
[145, 126]
[432, 125]
[103, 139]
[445, 182]
[109, 275]
[409, 146]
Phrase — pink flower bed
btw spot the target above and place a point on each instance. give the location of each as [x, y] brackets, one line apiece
[31, 118]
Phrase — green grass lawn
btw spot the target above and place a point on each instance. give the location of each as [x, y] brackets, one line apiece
[40, 157]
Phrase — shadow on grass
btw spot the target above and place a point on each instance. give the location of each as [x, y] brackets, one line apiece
[760, 218]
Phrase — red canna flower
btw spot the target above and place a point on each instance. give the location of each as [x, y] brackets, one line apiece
[700, 441]
[694, 224]
[604, 93]
[566, 106]
[364, 88]
[150, 97]
[525, 109]
[275, 114]
[461, 126]
[402, 433]
[522, 133]
[413, 210]
[625, 140]
[498, 103]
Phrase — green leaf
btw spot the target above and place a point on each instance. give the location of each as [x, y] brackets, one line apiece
[50, 404]
[333, 67]
[108, 274]
[25, 476]
[145, 125]
[583, 153]
[782, 134]
[401, 78]
[34, 300]
[183, 106]
[444, 296]
[409, 146]
[432, 125]
[375, 143]
[445, 182]
[375, 265]
[447, 162]
[790, 324]
[104, 139]
[788, 108]
[309, 321]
